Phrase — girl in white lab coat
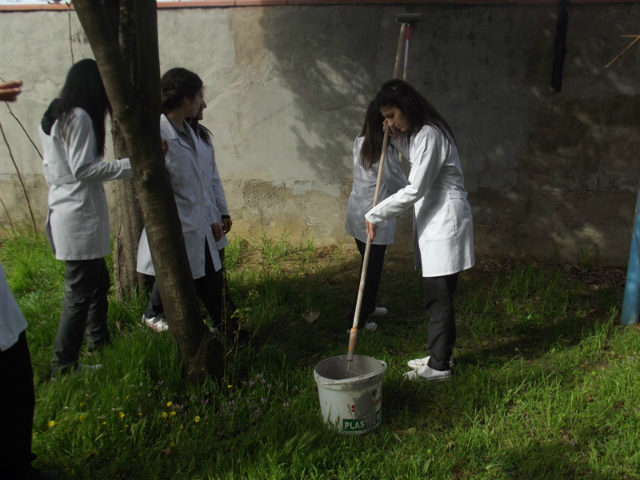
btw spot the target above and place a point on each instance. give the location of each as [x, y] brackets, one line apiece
[218, 213]
[191, 172]
[366, 157]
[443, 227]
[73, 137]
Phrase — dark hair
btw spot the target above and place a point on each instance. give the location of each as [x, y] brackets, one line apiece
[84, 89]
[373, 136]
[419, 112]
[201, 131]
[176, 84]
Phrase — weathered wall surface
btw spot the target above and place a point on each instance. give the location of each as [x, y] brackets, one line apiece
[550, 174]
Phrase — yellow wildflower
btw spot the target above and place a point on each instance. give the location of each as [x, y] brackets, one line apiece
[172, 414]
[52, 424]
[121, 414]
[169, 404]
[197, 419]
[81, 417]
[164, 415]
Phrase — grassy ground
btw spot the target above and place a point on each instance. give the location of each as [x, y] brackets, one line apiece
[546, 383]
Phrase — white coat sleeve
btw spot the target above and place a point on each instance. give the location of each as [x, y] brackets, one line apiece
[12, 322]
[84, 163]
[428, 154]
[218, 190]
[392, 175]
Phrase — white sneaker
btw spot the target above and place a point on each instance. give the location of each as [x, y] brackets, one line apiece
[368, 327]
[79, 369]
[158, 323]
[427, 373]
[421, 362]
[83, 368]
[379, 312]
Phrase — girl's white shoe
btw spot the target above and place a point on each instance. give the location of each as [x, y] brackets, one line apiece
[427, 373]
[422, 362]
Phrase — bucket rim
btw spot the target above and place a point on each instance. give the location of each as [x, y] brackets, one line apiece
[368, 376]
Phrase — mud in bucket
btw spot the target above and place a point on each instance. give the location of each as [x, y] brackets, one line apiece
[351, 400]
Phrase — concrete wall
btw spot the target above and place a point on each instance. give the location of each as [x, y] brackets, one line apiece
[550, 174]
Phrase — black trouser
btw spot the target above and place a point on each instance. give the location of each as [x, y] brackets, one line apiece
[17, 401]
[438, 298]
[85, 306]
[212, 291]
[372, 282]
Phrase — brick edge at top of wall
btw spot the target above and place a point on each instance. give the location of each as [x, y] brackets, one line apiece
[270, 3]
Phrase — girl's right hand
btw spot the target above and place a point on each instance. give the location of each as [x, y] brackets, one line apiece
[393, 131]
[9, 91]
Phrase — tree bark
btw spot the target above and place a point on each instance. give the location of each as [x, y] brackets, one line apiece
[137, 111]
[129, 214]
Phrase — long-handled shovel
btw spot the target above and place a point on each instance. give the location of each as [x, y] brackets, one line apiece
[365, 260]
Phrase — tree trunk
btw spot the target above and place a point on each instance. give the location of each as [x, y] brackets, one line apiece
[127, 233]
[137, 111]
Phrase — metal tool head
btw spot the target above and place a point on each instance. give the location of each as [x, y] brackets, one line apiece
[408, 17]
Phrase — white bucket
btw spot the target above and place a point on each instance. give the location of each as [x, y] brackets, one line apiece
[351, 400]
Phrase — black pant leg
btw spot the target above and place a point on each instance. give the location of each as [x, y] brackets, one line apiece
[372, 281]
[221, 296]
[209, 291]
[17, 402]
[82, 279]
[97, 329]
[438, 297]
[154, 308]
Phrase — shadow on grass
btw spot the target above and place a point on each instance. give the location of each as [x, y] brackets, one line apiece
[520, 313]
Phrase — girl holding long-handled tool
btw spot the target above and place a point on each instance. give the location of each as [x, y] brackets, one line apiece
[366, 156]
[443, 227]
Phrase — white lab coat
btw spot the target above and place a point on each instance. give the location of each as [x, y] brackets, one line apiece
[78, 217]
[443, 225]
[363, 191]
[217, 201]
[190, 172]
[12, 322]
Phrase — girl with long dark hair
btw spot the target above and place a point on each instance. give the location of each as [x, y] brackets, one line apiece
[366, 157]
[190, 167]
[443, 226]
[72, 132]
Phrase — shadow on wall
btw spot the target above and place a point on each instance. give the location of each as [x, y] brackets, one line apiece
[551, 174]
[327, 59]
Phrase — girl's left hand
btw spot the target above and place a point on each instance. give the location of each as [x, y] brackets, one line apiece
[226, 224]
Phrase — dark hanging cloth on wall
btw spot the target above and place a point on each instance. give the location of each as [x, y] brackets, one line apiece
[560, 45]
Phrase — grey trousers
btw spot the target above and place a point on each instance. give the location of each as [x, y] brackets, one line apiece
[84, 307]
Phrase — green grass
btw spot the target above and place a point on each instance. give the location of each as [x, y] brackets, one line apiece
[546, 382]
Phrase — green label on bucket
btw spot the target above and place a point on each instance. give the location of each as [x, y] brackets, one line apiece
[353, 425]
